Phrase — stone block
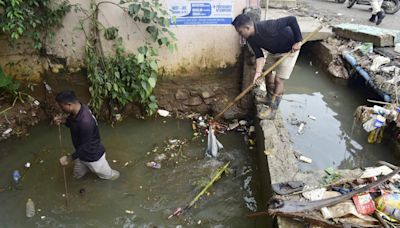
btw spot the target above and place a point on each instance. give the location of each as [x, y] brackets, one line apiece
[378, 36]
[181, 95]
[193, 101]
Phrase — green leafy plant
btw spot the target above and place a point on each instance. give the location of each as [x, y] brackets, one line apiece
[34, 19]
[8, 86]
[126, 77]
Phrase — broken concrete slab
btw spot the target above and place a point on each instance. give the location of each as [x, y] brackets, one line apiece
[378, 36]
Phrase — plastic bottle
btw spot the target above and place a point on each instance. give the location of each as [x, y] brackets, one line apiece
[380, 120]
[392, 212]
[30, 208]
[380, 110]
[153, 165]
[16, 176]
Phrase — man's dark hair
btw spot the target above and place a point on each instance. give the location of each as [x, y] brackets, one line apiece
[242, 20]
[66, 96]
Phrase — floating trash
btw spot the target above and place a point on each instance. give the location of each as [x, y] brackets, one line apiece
[153, 165]
[312, 117]
[300, 130]
[7, 132]
[16, 176]
[160, 157]
[130, 212]
[163, 113]
[30, 208]
[243, 122]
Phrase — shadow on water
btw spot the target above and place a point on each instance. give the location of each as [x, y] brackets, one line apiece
[141, 197]
[329, 140]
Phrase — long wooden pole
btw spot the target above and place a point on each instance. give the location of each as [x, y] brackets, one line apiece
[63, 168]
[244, 92]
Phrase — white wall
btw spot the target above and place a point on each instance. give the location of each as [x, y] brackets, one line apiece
[199, 47]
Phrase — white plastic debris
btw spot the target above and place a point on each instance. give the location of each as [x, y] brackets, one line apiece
[378, 171]
[36, 102]
[118, 117]
[312, 117]
[388, 69]
[127, 163]
[379, 61]
[316, 72]
[172, 141]
[300, 130]
[252, 129]
[315, 194]
[42, 217]
[130, 212]
[233, 125]
[163, 113]
[305, 159]
[114, 161]
[7, 132]
[243, 122]
[27, 165]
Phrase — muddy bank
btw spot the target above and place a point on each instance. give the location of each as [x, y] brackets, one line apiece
[15, 119]
[207, 93]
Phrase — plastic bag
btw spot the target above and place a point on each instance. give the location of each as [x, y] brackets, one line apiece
[389, 204]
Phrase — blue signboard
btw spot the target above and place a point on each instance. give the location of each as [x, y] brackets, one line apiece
[198, 12]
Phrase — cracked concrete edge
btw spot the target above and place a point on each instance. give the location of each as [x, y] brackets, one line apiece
[278, 149]
[283, 166]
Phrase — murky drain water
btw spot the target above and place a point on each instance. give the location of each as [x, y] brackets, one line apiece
[141, 197]
[329, 139]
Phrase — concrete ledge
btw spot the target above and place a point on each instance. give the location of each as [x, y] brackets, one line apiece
[283, 166]
[378, 36]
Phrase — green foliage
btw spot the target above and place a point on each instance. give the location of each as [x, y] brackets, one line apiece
[111, 33]
[8, 86]
[126, 77]
[35, 19]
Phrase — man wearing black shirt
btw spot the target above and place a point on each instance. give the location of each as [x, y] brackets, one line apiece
[277, 37]
[89, 154]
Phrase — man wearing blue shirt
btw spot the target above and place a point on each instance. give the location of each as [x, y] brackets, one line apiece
[277, 37]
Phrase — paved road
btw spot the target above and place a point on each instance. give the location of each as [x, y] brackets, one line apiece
[339, 13]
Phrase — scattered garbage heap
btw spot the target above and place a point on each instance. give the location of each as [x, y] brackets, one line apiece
[358, 198]
[371, 56]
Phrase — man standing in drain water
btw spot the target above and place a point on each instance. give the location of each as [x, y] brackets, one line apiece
[89, 154]
[277, 37]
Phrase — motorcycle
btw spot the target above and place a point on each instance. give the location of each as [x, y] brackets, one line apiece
[389, 6]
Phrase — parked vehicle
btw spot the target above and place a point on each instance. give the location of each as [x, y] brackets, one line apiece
[389, 6]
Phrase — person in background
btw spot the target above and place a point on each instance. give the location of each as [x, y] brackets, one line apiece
[377, 12]
[277, 37]
[89, 153]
